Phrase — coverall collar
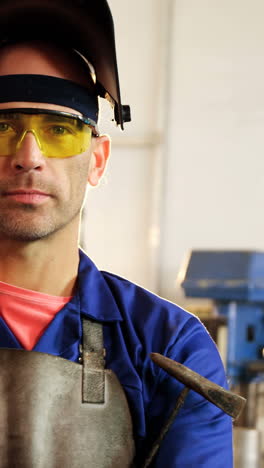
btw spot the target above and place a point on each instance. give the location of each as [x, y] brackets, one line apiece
[96, 299]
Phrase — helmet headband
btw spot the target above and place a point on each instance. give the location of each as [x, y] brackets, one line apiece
[51, 90]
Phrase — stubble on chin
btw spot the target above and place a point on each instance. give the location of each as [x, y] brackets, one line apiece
[31, 224]
[24, 227]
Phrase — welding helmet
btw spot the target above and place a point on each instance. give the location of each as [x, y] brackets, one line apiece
[84, 25]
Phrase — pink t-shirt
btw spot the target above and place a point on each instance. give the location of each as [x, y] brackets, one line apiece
[28, 313]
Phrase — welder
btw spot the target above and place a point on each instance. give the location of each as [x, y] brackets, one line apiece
[77, 386]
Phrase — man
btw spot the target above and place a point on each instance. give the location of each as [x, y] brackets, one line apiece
[49, 151]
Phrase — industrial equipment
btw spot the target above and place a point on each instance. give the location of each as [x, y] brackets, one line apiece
[234, 280]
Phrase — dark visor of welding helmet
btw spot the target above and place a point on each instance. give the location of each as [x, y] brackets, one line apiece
[58, 134]
[83, 25]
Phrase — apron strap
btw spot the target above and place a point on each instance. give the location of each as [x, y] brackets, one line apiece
[93, 375]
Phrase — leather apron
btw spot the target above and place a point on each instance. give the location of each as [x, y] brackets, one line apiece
[56, 413]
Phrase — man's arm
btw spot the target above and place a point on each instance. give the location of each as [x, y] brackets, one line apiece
[201, 435]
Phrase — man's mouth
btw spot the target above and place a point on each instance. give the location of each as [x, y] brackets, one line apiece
[29, 196]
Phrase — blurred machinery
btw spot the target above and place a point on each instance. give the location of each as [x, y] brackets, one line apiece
[234, 280]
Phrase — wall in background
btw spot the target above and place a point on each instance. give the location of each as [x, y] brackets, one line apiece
[122, 216]
[189, 171]
[215, 173]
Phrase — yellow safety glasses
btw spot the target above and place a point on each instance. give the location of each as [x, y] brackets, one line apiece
[58, 134]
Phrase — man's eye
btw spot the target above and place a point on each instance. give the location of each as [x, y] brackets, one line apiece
[4, 127]
[59, 130]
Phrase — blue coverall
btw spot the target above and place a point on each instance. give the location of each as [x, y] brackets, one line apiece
[136, 323]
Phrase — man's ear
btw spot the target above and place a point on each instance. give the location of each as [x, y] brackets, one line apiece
[99, 157]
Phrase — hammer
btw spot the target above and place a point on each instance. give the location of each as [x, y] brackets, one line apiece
[227, 401]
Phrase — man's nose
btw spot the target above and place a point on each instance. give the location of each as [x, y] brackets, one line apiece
[28, 155]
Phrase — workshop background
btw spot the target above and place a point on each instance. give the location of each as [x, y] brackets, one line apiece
[188, 171]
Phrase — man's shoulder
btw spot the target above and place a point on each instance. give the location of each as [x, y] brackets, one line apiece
[135, 292]
[162, 326]
[141, 313]
[164, 322]
[142, 302]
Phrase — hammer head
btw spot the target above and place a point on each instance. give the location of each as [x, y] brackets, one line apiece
[229, 402]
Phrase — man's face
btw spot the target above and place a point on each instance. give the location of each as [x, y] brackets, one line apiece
[40, 195]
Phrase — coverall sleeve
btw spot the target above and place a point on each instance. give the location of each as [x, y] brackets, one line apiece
[201, 435]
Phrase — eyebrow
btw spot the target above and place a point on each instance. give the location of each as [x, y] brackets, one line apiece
[9, 115]
[45, 117]
[58, 118]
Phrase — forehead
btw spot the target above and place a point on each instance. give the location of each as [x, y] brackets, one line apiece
[42, 59]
